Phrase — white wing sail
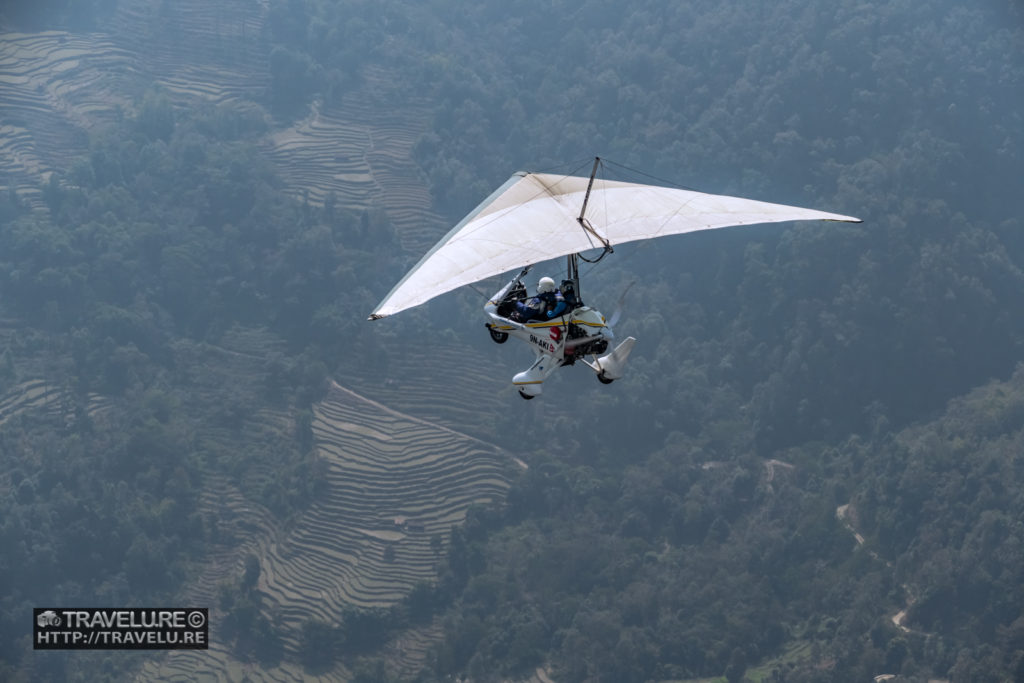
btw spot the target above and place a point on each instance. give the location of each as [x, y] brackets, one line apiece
[533, 218]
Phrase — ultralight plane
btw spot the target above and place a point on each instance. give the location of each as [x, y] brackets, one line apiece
[536, 217]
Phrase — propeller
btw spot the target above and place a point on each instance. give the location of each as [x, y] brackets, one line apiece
[618, 307]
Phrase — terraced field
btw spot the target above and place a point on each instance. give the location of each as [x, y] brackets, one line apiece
[397, 481]
[41, 395]
[196, 49]
[432, 381]
[463, 378]
[361, 153]
[32, 394]
[324, 154]
[396, 485]
[54, 87]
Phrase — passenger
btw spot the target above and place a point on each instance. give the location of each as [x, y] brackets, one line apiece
[549, 303]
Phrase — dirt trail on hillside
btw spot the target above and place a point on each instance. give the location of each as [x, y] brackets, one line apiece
[847, 516]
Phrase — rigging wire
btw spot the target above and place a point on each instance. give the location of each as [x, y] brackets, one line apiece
[670, 183]
[472, 285]
[574, 166]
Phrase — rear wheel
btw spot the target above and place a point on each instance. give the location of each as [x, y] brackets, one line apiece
[498, 337]
[602, 379]
[525, 395]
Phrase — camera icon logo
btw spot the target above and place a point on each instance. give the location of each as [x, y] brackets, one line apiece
[48, 618]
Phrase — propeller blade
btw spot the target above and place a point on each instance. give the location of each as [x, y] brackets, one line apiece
[618, 307]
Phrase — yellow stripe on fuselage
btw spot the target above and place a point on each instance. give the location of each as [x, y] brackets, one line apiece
[548, 324]
[574, 322]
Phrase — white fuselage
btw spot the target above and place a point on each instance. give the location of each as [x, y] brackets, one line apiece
[558, 337]
[555, 342]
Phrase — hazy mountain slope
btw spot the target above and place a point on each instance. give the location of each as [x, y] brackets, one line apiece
[391, 488]
[655, 535]
[222, 385]
[62, 85]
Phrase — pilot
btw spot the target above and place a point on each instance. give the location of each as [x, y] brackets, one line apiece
[549, 303]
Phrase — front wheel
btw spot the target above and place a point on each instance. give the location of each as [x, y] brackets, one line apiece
[498, 337]
[525, 395]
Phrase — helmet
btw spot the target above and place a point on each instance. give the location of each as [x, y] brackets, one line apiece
[545, 284]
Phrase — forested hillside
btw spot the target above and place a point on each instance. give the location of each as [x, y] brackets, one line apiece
[798, 480]
[134, 286]
[773, 344]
